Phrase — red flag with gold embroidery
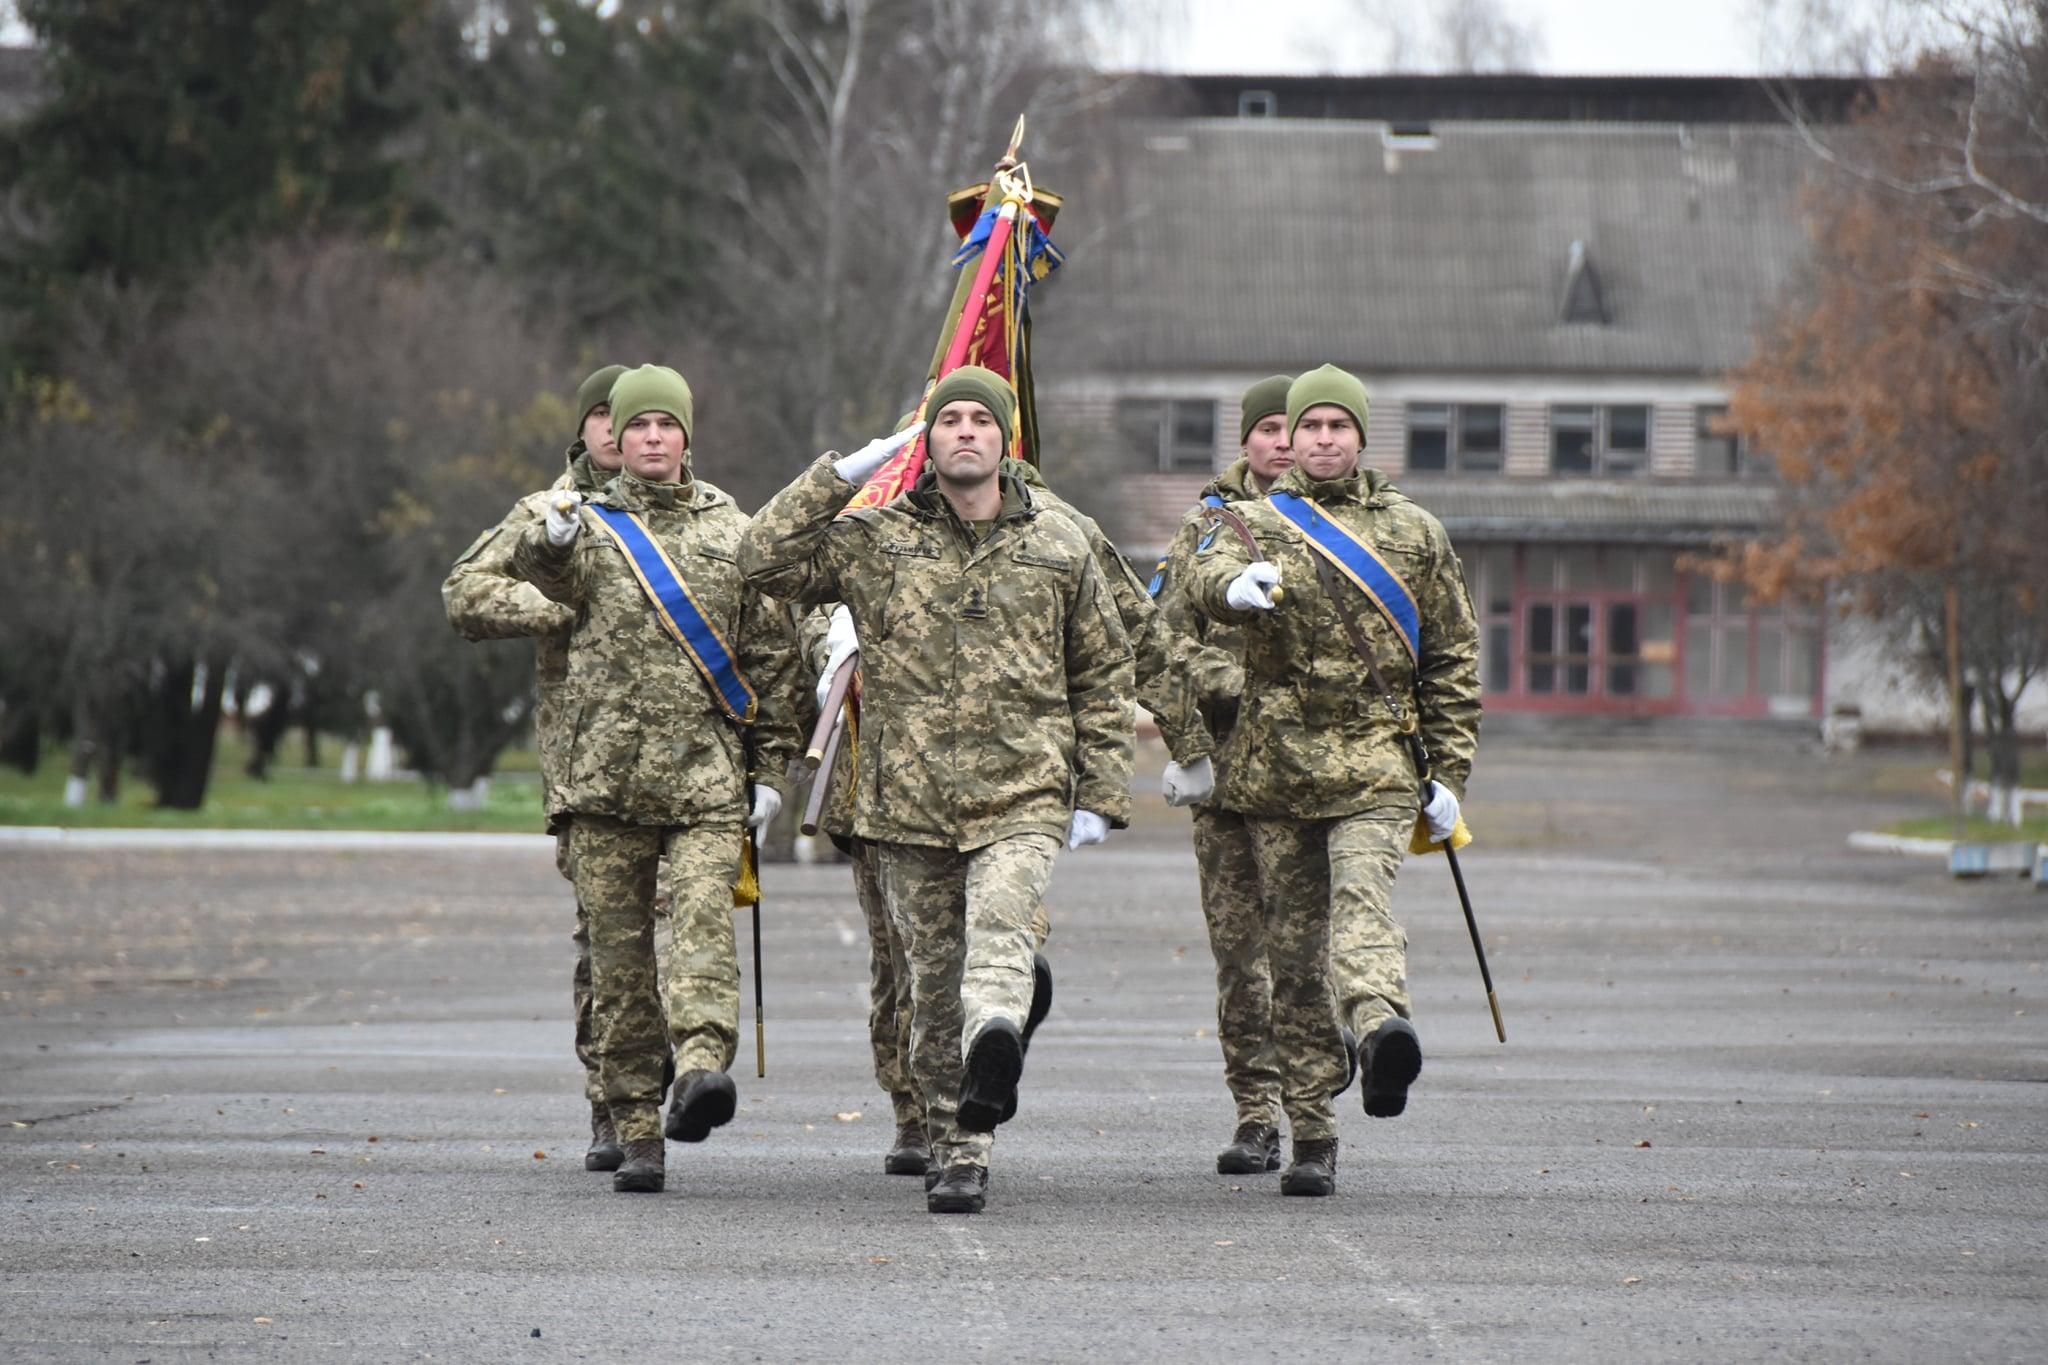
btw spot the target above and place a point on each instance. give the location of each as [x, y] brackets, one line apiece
[1006, 246]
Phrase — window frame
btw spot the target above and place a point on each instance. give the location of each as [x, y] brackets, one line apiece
[1604, 458]
[1455, 430]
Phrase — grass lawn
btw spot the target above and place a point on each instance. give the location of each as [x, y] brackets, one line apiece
[292, 798]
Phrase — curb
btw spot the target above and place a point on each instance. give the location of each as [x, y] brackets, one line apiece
[1870, 841]
[273, 840]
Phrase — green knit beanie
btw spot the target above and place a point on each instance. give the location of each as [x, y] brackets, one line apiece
[651, 388]
[985, 387]
[1324, 384]
[1263, 399]
[594, 390]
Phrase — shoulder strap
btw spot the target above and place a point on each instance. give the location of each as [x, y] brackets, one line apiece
[1411, 732]
[677, 610]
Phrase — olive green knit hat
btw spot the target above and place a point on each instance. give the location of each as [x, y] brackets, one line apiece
[1324, 384]
[652, 388]
[594, 390]
[985, 387]
[1264, 399]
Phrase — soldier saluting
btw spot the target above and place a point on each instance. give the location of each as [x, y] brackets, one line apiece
[1322, 762]
[679, 694]
[996, 720]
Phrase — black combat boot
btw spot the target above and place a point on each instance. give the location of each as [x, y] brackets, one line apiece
[1350, 1063]
[1041, 1005]
[1393, 1059]
[1254, 1149]
[912, 1154]
[994, 1062]
[605, 1154]
[1314, 1171]
[704, 1100]
[1041, 996]
[642, 1172]
[963, 1189]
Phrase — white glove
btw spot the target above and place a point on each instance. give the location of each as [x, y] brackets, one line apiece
[1087, 828]
[565, 517]
[857, 467]
[1185, 786]
[840, 641]
[767, 801]
[1247, 591]
[1440, 809]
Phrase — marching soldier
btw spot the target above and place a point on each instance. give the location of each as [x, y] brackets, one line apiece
[1231, 906]
[678, 704]
[1325, 766]
[996, 721]
[1166, 689]
[485, 600]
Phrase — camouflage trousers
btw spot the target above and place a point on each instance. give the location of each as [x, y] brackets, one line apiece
[1237, 921]
[579, 977]
[965, 922]
[889, 987]
[635, 1014]
[1336, 953]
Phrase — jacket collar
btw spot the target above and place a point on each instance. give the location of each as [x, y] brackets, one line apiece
[630, 493]
[1364, 485]
[930, 502]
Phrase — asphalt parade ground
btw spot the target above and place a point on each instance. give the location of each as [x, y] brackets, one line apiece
[1763, 1098]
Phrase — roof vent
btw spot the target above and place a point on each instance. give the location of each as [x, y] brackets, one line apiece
[1584, 300]
[1404, 135]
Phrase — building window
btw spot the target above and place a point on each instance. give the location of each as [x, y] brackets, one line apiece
[1173, 436]
[1585, 439]
[1719, 451]
[1461, 438]
[1257, 104]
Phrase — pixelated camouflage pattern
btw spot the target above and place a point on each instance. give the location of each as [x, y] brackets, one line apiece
[996, 677]
[1313, 739]
[486, 600]
[1308, 1045]
[1236, 917]
[965, 921]
[1338, 956]
[579, 977]
[889, 996]
[638, 1008]
[1214, 659]
[1158, 654]
[646, 739]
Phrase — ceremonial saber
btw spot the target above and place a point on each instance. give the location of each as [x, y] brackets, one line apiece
[1223, 516]
[1500, 1030]
[760, 1029]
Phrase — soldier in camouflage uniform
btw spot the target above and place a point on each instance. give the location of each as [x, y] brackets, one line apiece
[1320, 770]
[1231, 906]
[653, 767]
[996, 720]
[1165, 688]
[485, 600]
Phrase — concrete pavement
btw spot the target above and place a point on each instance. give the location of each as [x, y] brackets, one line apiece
[1763, 1099]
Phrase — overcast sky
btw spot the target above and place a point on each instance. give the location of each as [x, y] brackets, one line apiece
[1577, 37]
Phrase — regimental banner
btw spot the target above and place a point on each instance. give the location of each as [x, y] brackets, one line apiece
[677, 610]
[1006, 247]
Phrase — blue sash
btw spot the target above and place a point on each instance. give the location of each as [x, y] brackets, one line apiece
[679, 613]
[1357, 562]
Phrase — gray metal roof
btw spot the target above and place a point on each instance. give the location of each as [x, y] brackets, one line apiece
[1575, 510]
[1248, 244]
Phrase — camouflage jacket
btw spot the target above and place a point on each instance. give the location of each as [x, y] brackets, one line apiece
[643, 735]
[1157, 654]
[1214, 668]
[996, 679]
[485, 600]
[1313, 738]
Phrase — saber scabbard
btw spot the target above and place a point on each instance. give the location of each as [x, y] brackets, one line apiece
[760, 1028]
[1500, 1030]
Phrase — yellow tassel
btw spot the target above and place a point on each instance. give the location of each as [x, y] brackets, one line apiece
[747, 890]
[1420, 841]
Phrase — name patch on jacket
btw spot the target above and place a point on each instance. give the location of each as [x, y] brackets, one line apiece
[1358, 562]
[680, 615]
